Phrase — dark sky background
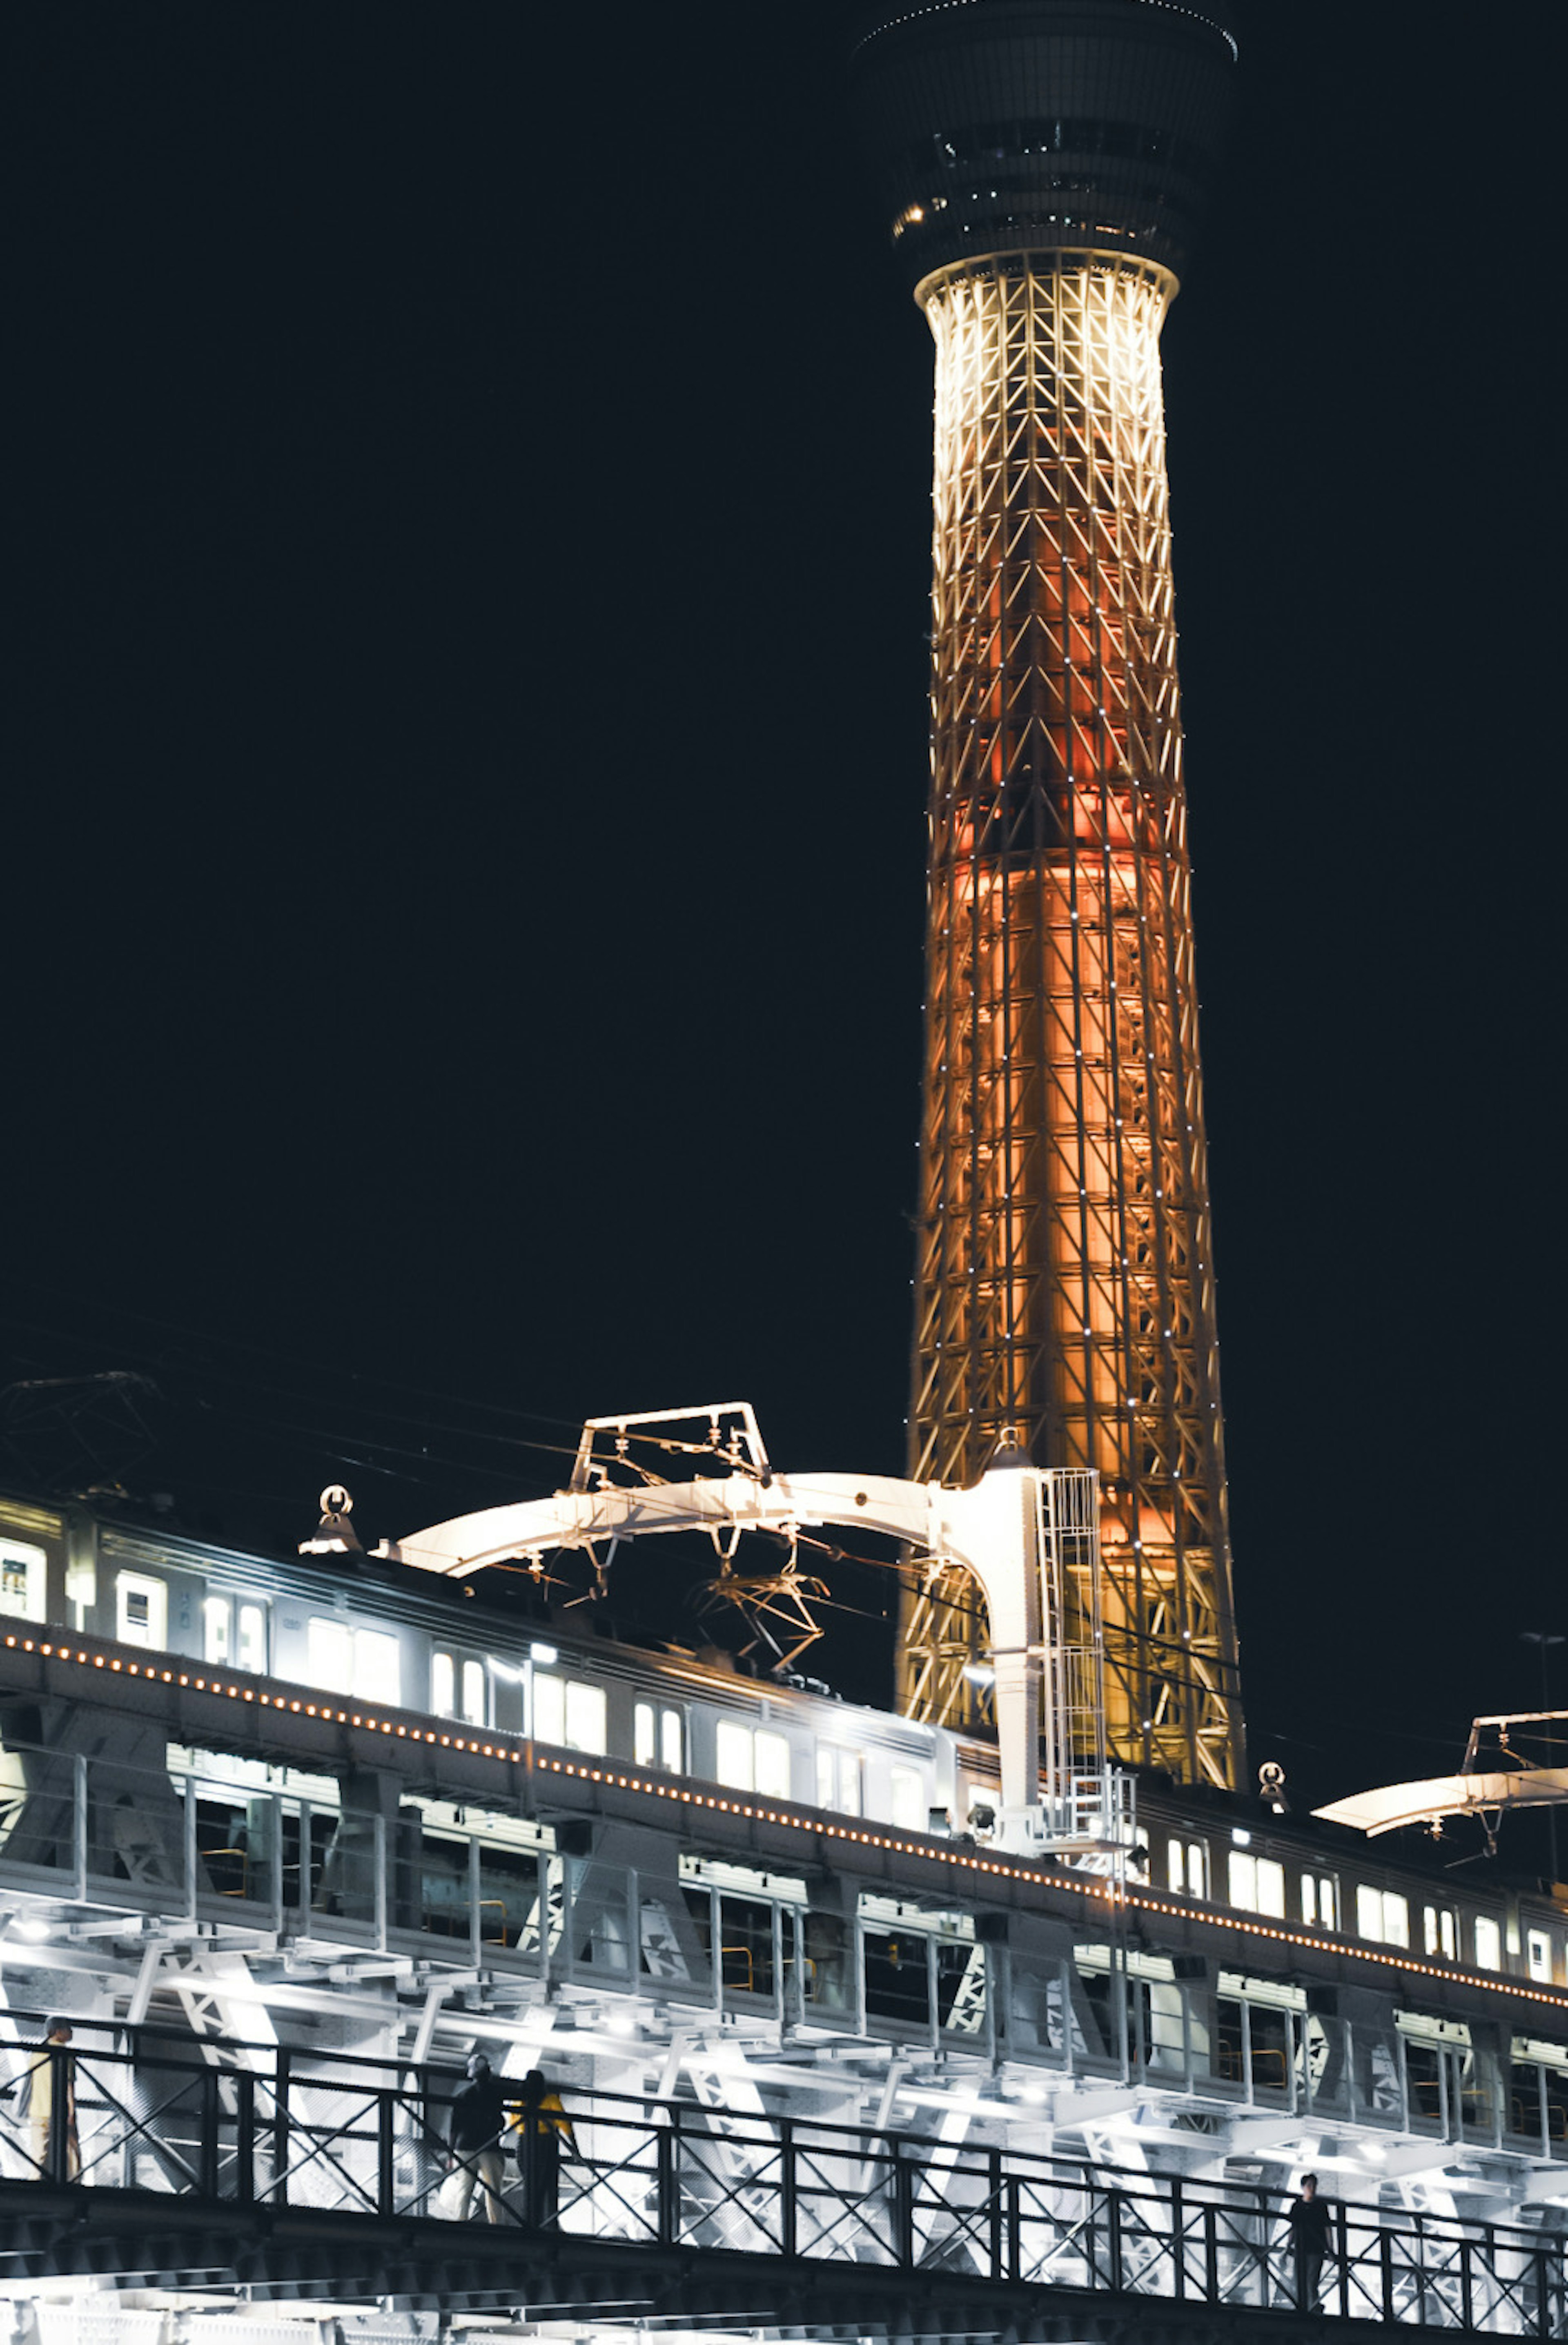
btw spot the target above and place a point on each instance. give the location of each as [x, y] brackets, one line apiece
[463, 868]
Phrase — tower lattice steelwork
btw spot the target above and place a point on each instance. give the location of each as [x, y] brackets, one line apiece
[1042, 163]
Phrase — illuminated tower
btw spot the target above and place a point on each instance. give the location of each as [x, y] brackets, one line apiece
[1042, 164]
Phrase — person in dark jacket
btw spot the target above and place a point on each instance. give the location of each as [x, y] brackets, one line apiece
[543, 2129]
[1308, 2217]
[474, 2141]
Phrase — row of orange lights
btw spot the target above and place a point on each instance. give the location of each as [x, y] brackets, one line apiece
[324, 1710]
[514, 1751]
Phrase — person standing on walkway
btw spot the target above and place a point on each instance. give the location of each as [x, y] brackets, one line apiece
[1309, 2219]
[543, 2129]
[474, 2140]
[46, 2101]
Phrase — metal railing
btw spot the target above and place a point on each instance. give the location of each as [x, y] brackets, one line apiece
[264, 2128]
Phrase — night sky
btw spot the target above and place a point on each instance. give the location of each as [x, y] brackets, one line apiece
[464, 872]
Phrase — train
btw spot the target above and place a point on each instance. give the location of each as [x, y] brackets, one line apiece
[387, 1635]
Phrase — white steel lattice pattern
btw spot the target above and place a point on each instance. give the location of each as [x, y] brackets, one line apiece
[1065, 1282]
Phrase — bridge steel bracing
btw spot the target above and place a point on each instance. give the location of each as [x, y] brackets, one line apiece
[1035, 159]
[940, 2057]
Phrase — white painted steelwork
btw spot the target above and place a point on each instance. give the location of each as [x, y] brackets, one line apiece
[1029, 1535]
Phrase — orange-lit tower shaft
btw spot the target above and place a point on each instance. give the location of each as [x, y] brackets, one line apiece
[1064, 1286]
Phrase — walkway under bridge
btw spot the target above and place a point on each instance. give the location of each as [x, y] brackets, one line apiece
[254, 2176]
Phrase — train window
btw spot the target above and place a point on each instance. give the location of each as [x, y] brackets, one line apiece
[360, 1661]
[1186, 1868]
[772, 1764]
[1438, 1934]
[657, 1737]
[377, 1676]
[217, 1616]
[1538, 1952]
[549, 1719]
[838, 1779]
[586, 1718]
[1257, 1883]
[909, 1805]
[752, 1759]
[569, 1714]
[330, 1656]
[1487, 1944]
[141, 1610]
[23, 1575]
[442, 1685]
[474, 1692]
[252, 1638]
[1318, 1900]
[732, 1754]
[1382, 1915]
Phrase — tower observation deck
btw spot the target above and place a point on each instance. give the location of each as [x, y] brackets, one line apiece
[1042, 164]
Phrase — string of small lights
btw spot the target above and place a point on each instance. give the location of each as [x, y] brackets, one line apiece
[516, 1750]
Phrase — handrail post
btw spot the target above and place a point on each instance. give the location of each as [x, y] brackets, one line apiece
[666, 2157]
[1210, 2255]
[787, 2208]
[998, 2237]
[211, 2109]
[61, 2130]
[1262, 2256]
[1542, 2295]
[280, 2130]
[1014, 2231]
[1178, 2238]
[1114, 2236]
[245, 2137]
[1386, 2258]
[903, 2205]
[386, 2168]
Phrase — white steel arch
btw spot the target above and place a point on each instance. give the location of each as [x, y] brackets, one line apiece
[1002, 1530]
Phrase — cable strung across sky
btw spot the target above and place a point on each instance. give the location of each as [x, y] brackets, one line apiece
[1041, 164]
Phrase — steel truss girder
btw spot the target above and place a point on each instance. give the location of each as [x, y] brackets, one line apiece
[1064, 1280]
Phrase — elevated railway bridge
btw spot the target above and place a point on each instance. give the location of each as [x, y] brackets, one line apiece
[827, 2076]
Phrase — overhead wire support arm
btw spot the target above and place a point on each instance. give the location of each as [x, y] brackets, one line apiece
[1029, 1535]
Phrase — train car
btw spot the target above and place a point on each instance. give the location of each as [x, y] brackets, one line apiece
[383, 1634]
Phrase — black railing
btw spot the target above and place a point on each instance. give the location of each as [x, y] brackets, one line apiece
[262, 2129]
